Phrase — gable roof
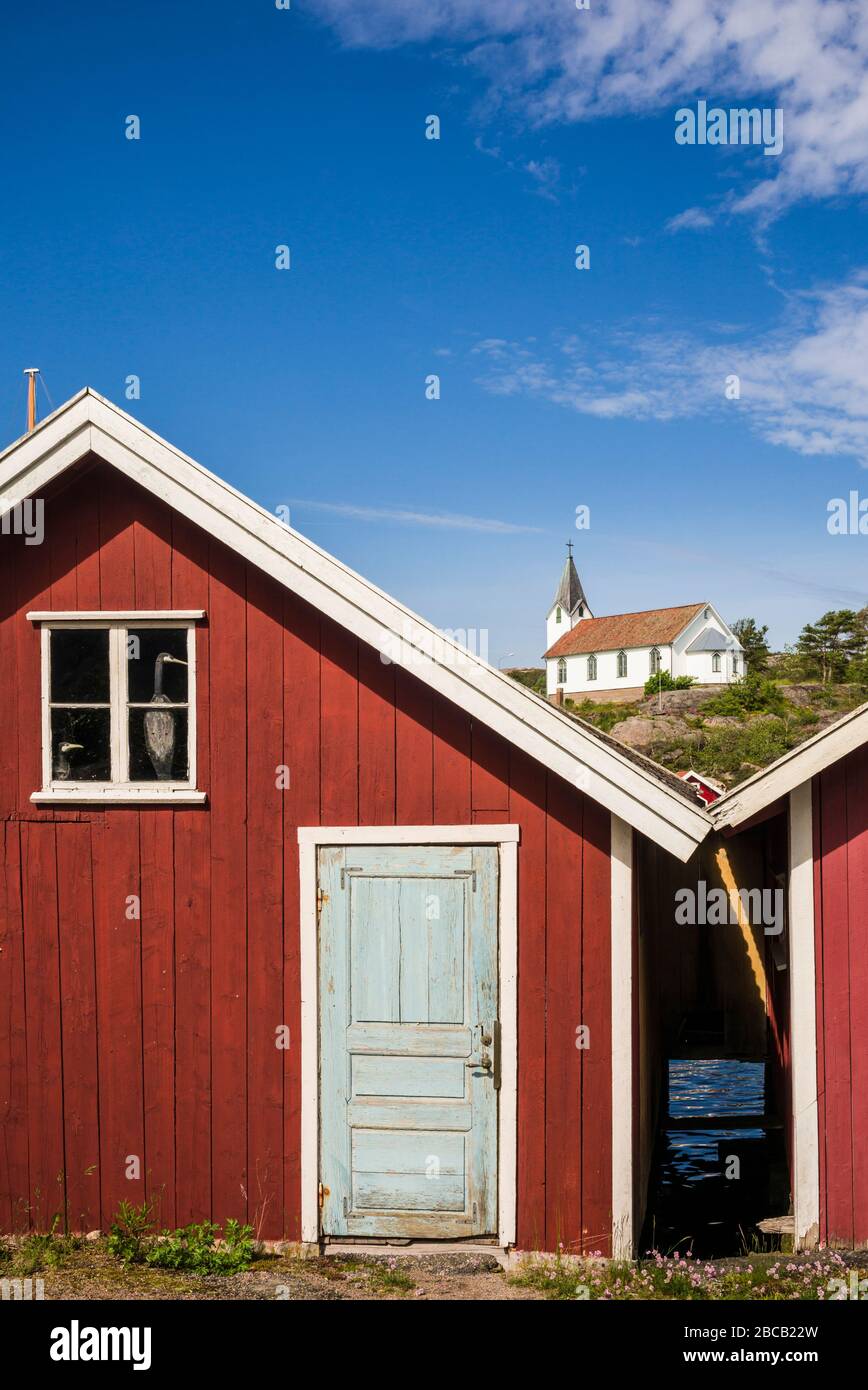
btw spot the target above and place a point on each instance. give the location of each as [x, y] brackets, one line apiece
[88, 423]
[651, 628]
[790, 771]
[710, 639]
[570, 592]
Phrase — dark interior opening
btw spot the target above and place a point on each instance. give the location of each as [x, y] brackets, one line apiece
[713, 1100]
[719, 1165]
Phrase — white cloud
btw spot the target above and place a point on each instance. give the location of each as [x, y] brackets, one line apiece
[406, 516]
[643, 56]
[692, 220]
[803, 386]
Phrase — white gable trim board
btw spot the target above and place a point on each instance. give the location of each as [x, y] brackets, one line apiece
[622, 1040]
[803, 1020]
[91, 424]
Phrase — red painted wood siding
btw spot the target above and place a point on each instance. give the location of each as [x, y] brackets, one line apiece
[841, 925]
[156, 1038]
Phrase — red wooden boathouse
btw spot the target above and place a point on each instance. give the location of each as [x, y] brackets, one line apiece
[308, 916]
[814, 801]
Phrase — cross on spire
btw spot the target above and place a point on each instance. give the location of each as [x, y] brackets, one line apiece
[570, 594]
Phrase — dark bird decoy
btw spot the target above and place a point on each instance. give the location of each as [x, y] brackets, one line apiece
[62, 765]
[160, 723]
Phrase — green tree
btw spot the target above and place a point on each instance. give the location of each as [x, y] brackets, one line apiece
[835, 640]
[753, 639]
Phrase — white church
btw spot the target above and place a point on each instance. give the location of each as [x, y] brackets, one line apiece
[611, 658]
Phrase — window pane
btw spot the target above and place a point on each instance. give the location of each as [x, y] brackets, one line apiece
[148, 674]
[158, 745]
[80, 745]
[79, 666]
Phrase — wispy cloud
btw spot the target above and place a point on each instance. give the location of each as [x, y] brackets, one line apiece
[803, 385]
[406, 516]
[692, 220]
[545, 174]
[557, 63]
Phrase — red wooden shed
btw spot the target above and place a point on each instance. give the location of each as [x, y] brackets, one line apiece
[308, 916]
[814, 801]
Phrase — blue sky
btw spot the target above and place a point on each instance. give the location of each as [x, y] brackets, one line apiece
[559, 387]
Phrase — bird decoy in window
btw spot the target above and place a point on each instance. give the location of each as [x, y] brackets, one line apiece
[62, 765]
[160, 723]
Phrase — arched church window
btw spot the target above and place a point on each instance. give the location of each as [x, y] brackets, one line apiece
[655, 661]
[562, 672]
[558, 616]
[592, 668]
[622, 663]
[715, 662]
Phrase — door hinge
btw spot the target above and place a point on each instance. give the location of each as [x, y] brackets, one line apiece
[322, 1193]
[321, 899]
[466, 873]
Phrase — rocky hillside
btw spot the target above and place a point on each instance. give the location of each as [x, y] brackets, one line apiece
[727, 733]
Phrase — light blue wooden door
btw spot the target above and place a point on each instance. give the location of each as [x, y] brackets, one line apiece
[409, 1041]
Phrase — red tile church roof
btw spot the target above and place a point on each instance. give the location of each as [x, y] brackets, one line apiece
[652, 628]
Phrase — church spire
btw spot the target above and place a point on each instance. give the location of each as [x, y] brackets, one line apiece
[570, 593]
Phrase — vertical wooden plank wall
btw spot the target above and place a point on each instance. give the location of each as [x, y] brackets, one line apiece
[158, 950]
[841, 925]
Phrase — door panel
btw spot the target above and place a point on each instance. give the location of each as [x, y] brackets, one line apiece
[408, 991]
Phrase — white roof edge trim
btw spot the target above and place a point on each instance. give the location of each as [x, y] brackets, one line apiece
[798, 765]
[89, 422]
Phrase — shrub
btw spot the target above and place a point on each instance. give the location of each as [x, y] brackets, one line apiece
[130, 1232]
[198, 1248]
[41, 1250]
[725, 752]
[603, 714]
[753, 695]
[663, 680]
[195, 1248]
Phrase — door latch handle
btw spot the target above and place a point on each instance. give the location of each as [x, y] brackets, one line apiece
[483, 1063]
[489, 1062]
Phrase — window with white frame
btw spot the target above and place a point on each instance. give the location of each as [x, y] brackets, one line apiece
[655, 662]
[735, 665]
[118, 706]
[562, 672]
[715, 662]
[558, 616]
[592, 668]
[622, 663]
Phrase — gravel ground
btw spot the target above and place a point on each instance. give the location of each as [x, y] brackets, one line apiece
[92, 1273]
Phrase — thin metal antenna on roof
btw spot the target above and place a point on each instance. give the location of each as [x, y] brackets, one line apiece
[32, 373]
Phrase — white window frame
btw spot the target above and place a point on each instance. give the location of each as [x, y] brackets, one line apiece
[117, 791]
[715, 663]
[562, 666]
[655, 661]
[622, 662]
[592, 667]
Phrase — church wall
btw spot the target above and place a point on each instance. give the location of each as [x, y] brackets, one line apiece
[638, 671]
